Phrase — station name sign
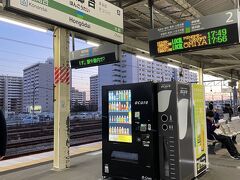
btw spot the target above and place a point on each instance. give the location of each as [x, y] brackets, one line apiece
[96, 17]
[105, 54]
[206, 32]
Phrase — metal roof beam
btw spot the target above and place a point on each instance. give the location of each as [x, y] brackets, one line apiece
[131, 8]
[223, 74]
[133, 5]
[182, 59]
[135, 44]
[136, 34]
[219, 51]
[137, 25]
[222, 68]
[187, 7]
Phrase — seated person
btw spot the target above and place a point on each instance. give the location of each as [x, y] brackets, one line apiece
[225, 140]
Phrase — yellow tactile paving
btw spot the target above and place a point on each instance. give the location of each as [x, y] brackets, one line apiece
[45, 157]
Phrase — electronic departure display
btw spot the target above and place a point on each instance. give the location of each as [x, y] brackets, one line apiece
[208, 38]
[94, 61]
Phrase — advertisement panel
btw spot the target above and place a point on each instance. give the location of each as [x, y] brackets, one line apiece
[200, 134]
[99, 18]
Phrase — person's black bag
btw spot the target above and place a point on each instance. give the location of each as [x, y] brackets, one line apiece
[3, 135]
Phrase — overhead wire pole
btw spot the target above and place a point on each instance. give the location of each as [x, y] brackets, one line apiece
[73, 41]
[150, 5]
[120, 3]
[61, 159]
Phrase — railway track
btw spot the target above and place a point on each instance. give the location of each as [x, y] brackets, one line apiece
[36, 138]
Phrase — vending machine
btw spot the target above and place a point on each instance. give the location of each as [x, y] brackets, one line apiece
[130, 149]
[175, 131]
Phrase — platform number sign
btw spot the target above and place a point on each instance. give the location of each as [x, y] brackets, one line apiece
[230, 14]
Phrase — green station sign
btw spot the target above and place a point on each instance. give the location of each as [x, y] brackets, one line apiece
[98, 18]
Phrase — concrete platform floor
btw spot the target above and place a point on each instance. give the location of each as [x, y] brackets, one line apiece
[88, 167]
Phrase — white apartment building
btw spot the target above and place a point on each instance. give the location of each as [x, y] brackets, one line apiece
[154, 71]
[94, 87]
[38, 86]
[132, 70]
[11, 89]
[77, 97]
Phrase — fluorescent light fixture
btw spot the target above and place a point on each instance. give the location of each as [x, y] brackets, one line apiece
[173, 60]
[144, 58]
[93, 43]
[173, 66]
[142, 50]
[18, 23]
[157, 12]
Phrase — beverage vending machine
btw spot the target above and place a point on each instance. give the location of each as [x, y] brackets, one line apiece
[154, 131]
[129, 115]
[175, 130]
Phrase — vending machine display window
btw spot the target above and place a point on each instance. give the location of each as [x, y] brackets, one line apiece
[120, 116]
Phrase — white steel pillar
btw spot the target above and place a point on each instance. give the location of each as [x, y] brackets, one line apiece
[62, 99]
[200, 76]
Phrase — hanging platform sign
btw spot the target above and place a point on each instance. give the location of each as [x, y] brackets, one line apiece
[96, 17]
[104, 54]
[212, 31]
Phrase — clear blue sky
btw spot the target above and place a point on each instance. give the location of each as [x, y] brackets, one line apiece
[21, 47]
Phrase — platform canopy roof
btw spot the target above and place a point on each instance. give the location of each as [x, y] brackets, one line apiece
[220, 62]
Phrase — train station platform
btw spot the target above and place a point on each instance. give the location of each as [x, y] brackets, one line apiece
[36, 159]
[86, 165]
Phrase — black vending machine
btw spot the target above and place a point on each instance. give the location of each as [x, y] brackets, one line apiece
[129, 114]
[176, 148]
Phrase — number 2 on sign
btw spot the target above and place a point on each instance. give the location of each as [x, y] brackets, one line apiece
[229, 20]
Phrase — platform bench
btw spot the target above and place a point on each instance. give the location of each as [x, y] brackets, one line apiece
[211, 146]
